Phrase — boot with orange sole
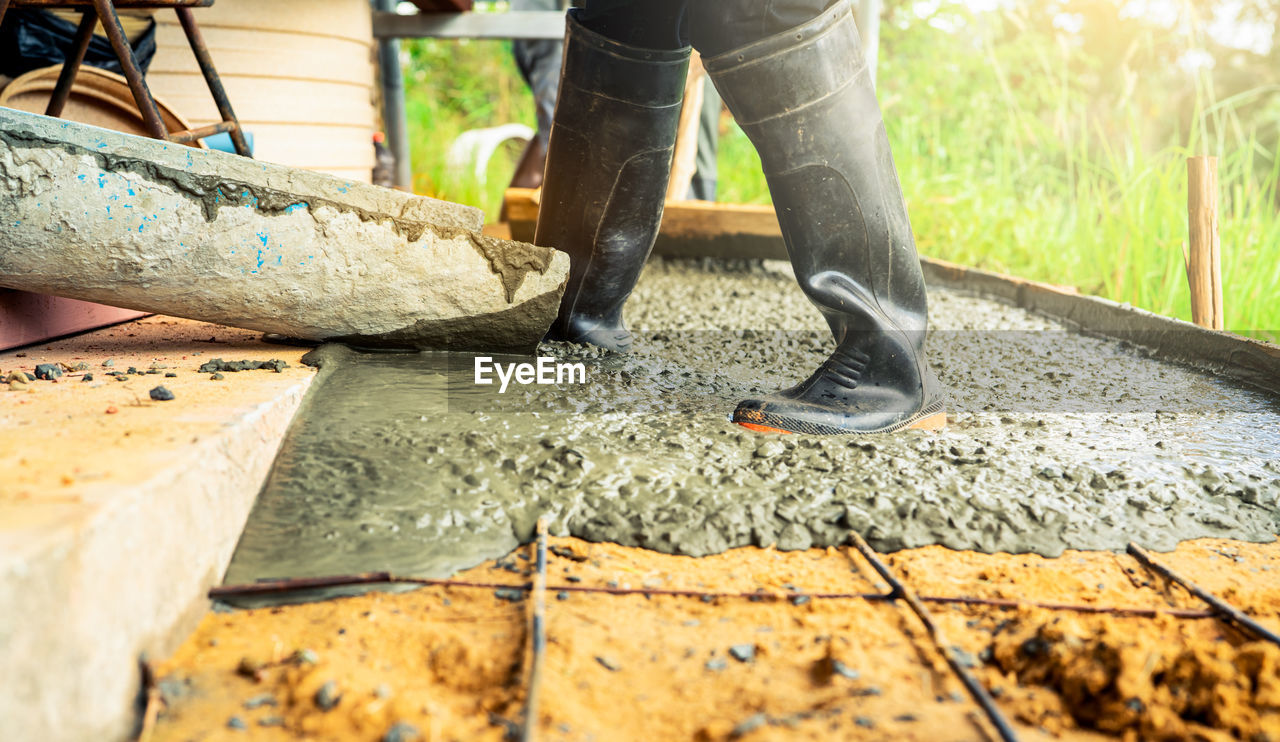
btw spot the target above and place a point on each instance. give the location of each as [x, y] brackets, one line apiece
[806, 100]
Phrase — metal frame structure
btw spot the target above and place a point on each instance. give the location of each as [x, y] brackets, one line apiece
[389, 27]
[105, 10]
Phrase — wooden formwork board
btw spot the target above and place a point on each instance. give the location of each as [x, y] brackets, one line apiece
[689, 228]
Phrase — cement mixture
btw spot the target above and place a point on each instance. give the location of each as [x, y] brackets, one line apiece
[1056, 441]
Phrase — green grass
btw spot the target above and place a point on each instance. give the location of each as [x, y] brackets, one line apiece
[452, 87]
[1018, 152]
[1050, 180]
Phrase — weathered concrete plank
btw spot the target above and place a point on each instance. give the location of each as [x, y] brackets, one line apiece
[107, 217]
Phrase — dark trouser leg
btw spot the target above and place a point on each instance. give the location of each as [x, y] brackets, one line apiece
[539, 62]
[805, 99]
[718, 26]
[703, 186]
[649, 24]
[609, 158]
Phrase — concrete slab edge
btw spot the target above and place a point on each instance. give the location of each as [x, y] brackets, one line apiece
[751, 232]
[1252, 362]
[128, 580]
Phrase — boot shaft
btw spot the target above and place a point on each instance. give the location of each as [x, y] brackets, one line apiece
[608, 162]
[806, 100]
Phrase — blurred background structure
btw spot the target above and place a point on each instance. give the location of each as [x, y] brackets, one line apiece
[1046, 138]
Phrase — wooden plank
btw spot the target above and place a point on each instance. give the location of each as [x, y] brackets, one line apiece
[684, 162]
[689, 228]
[516, 24]
[1204, 259]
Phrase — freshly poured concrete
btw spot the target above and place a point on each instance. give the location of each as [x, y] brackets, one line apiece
[1056, 441]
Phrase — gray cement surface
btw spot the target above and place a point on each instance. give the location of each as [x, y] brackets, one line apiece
[1056, 441]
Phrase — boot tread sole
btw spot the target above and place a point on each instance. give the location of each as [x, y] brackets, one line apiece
[932, 420]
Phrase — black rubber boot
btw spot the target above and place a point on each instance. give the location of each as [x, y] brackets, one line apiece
[608, 162]
[806, 100]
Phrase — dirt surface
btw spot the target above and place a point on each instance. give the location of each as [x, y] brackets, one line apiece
[450, 662]
[1162, 678]
[1056, 440]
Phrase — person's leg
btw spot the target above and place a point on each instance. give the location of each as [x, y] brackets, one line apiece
[703, 185]
[609, 158]
[722, 25]
[648, 24]
[804, 97]
[539, 62]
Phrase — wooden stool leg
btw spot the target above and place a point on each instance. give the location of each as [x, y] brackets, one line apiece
[75, 58]
[201, 51]
[132, 72]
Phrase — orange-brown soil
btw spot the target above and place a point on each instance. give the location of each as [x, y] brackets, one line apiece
[450, 663]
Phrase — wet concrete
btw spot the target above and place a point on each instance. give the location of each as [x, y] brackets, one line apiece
[1057, 440]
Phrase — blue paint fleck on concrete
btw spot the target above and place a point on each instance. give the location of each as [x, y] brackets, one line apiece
[263, 236]
[294, 207]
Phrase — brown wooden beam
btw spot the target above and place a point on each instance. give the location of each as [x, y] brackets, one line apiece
[689, 228]
[1204, 257]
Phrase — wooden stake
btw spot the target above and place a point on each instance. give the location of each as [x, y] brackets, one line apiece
[1204, 261]
[684, 164]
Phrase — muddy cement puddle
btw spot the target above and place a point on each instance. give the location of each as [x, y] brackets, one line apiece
[401, 462]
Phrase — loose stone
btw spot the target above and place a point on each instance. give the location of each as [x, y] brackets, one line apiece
[327, 697]
[402, 731]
